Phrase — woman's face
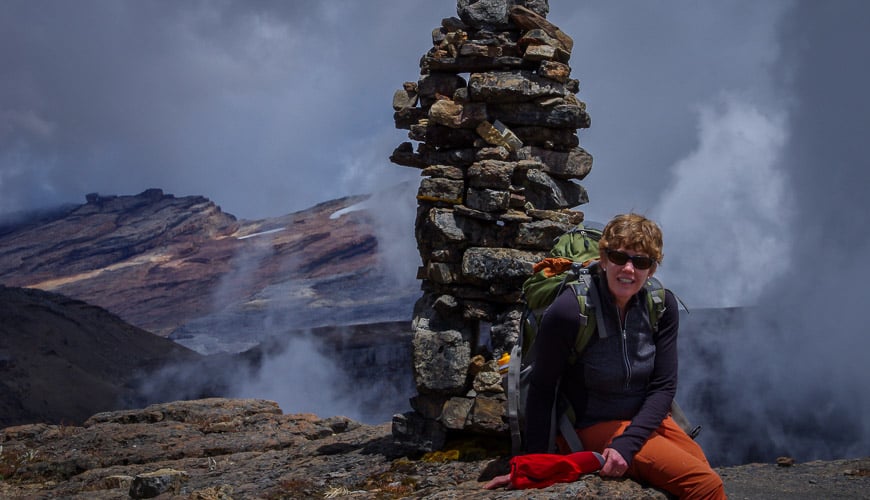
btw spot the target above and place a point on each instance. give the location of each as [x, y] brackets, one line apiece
[626, 279]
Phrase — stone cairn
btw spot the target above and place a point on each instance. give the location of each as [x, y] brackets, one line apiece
[495, 116]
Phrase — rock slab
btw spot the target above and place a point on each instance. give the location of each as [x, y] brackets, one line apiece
[230, 448]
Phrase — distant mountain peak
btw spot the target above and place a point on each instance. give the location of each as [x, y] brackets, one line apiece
[159, 260]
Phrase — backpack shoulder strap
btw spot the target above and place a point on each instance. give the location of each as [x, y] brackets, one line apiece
[655, 301]
[583, 289]
[515, 402]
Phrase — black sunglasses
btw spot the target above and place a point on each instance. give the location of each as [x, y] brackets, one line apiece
[620, 258]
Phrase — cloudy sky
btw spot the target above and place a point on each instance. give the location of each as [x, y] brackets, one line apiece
[270, 107]
[739, 125]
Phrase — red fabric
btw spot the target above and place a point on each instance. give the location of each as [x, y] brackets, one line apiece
[539, 470]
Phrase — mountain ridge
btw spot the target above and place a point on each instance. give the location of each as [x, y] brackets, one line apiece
[160, 261]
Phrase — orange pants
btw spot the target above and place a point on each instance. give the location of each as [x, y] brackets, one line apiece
[669, 460]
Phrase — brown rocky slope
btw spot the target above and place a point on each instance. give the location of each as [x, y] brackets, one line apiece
[62, 360]
[224, 448]
[161, 262]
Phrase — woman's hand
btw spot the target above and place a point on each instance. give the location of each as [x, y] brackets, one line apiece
[498, 482]
[614, 464]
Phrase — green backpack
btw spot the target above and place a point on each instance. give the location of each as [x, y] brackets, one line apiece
[580, 246]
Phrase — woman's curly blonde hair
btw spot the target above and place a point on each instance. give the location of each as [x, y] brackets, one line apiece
[633, 232]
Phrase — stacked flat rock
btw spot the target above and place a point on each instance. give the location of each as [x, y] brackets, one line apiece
[495, 118]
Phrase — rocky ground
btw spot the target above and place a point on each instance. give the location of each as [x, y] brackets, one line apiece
[223, 448]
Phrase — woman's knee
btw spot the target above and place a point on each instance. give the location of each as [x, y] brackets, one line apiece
[677, 472]
[710, 486]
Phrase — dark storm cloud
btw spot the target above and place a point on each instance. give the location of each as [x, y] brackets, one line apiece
[646, 71]
[256, 105]
[268, 107]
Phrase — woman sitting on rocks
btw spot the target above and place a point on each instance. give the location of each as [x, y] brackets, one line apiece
[623, 383]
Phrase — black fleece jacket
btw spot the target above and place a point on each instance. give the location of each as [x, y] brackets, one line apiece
[630, 374]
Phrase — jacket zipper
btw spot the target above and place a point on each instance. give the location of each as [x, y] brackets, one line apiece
[625, 348]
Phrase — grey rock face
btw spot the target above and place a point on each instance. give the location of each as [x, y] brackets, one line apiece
[495, 13]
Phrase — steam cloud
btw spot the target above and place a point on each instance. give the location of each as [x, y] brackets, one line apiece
[723, 217]
[787, 376]
[302, 379]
